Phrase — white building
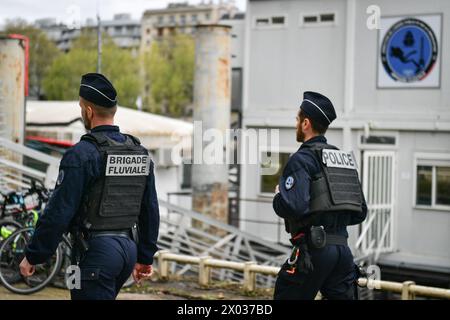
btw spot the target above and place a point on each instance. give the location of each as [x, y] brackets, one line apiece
[399, 131]
[124, 31]
[181, 18]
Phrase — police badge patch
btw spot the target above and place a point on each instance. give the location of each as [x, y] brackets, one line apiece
[289, 182]
[60, 177]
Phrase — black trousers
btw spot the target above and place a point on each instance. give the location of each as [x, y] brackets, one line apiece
[334, 275]
[105, 267]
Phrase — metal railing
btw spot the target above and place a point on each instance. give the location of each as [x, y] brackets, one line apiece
[180, 233]
[408, 289]
[278, 222]
[13, 172]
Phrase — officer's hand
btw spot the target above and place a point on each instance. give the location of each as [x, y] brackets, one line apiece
[26, 269]
[142, 271]
[277, 189]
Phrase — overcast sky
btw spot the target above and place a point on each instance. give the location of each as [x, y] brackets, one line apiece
[31, 10]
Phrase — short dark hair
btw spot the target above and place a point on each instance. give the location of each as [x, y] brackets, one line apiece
[317, 127]
[102, 112]
[105, 112]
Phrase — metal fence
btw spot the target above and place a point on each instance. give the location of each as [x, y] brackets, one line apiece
[408, 289]
[180, 233]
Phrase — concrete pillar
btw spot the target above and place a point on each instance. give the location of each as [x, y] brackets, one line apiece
[406, 290]
[12, 97]
[163, 265]
[204, 272]
[212, 101]
[12, 89]
[249, 277]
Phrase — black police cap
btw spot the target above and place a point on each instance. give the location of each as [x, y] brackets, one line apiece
[97, 89]
[318, 108]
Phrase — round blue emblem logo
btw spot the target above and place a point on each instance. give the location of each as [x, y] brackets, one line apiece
[289, 182]
[409, 50]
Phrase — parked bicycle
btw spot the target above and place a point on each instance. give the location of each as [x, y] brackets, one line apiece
[16, 230]
[12, 251]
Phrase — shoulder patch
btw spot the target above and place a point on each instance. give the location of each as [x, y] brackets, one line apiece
[289, 182]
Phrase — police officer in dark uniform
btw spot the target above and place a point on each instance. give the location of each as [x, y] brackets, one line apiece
[318, 195]
[105, 197]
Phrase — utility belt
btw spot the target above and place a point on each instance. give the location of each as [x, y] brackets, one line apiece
[81, 238]
[317, 238]
[112, 233]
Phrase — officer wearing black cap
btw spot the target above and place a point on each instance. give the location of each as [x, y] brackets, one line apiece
[105, 197]
[318, 195]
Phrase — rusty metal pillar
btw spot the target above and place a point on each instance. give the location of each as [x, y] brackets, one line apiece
[212, 107]
[12, 88]
[12, 94]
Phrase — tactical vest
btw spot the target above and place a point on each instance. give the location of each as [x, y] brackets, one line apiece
[336, 188]
[114, 199]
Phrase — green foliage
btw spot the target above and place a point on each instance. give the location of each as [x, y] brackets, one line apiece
[118, 65]
[169, 75]
[42, 53]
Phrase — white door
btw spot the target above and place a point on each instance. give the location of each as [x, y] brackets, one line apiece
[377, 232]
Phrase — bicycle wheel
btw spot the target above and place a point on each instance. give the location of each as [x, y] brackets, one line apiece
[7, 228]
[12, 251]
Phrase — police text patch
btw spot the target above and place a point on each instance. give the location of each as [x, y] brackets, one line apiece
[127, 165]
[338, 159]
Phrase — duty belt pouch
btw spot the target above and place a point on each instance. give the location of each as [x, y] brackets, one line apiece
[317, 237]
[135, 234]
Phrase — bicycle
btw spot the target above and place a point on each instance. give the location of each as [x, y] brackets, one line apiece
[15, 207]
[12, 252]
[14, 239]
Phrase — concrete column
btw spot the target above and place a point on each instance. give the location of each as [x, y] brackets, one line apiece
[163, 265]
[212, 101]
[12, 89]
[249, 277]
[12, 97]
[204, 272]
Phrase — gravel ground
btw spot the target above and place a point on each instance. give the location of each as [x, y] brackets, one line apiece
[175, 289]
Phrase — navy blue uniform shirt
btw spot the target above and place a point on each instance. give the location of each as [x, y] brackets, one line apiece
[293, 199]
[80, 166]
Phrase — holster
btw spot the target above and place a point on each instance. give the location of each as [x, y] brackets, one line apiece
[80, 245]
[135, 234]
[318, 237]
[303, 262]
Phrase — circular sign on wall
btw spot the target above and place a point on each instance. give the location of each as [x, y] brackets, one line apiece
[409, 50]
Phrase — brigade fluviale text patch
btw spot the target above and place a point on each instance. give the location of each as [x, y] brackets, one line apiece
[127, 165]
[338, 159]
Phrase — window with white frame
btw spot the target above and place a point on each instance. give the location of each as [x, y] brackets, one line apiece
[275, 21]
[317, 19]
[433, 183]
[268, 182]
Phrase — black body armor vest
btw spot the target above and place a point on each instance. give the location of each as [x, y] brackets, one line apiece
[113, 201]
[336, 188]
